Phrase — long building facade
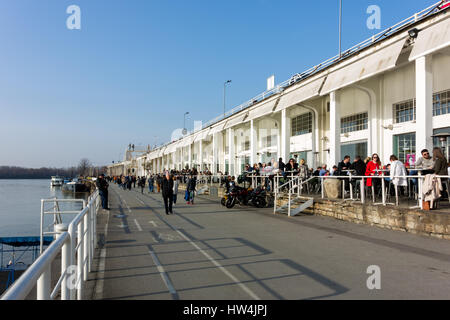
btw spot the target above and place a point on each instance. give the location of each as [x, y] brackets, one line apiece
[390, 97]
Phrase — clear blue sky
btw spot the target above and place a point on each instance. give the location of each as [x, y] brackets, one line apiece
[136, 66]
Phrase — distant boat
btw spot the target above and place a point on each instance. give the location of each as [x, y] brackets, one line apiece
[57, 181]
[75, 186]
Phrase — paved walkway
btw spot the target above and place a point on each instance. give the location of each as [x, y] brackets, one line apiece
[206, 251]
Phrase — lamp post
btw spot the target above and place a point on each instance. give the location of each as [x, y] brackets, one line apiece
[184, 124]
[224, 95]
[340, 28]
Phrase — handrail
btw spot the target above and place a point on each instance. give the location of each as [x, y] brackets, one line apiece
[76, 243]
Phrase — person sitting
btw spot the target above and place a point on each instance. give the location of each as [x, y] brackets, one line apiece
[397, 173]
[342, 168]
[323, 171]
[440, 166]
[373, 165]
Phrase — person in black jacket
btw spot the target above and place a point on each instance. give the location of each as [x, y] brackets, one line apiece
[360, 167]
[102, 186]
[167, 192]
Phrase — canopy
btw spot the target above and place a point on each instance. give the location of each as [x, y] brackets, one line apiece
[431, 39]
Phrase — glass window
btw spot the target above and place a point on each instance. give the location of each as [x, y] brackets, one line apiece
[302, 124]
[269, 141]
[353, 150]
[441, 103]
[356, 122]
[404, 145]
[405, 111]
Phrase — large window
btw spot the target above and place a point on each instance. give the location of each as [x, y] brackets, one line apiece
[405, 146]
[405, 111]
[302, 124]
[441, 103]
[356, 122]
[354, 149]
[269, 141]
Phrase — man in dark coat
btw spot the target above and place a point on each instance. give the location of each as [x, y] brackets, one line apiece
[167, 192]
[102, 186]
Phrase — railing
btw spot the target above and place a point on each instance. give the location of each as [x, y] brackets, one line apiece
[76, 243]
[325, 64]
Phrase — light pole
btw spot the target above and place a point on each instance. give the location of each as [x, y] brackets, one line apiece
[224, 95]
[340, 28]
[184, 124]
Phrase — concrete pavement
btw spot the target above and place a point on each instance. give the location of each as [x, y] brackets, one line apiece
[206, 251]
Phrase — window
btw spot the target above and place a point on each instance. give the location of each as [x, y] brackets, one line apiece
[356, 122]
[302, 124]
[441, 103]
[245, 146]
[354, 149]
[404, 145]
[269, 141]
[405, 111]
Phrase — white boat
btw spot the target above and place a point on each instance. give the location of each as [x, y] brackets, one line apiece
[57, 181]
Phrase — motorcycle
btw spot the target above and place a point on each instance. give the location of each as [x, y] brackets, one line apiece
[258, 198]
[237, 195]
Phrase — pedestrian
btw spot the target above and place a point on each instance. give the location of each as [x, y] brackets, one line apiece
[151, 187]
[167, 193]
[102, 186]
[175, 189]
[191, 184]
[142, 184]
[158, 183]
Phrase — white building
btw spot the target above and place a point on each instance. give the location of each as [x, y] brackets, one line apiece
[387, 95]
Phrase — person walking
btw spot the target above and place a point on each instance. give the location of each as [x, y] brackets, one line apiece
[151, 187]
[167, 192]
[191, 184]
[102, 186]
[142, 184]
[175, 189]
[158, 183]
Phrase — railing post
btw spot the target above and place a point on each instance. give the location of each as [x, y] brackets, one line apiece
[322, 187]
[383, 186]
[363, 194]
[80, 256]
[72, 241]
[43, 284]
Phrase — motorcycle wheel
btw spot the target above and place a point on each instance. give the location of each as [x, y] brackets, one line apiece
[261, 203]
[230, 203]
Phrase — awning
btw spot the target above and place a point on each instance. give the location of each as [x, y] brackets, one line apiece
[431, 39]
[300, 94]
[161, 151]
[366, 67]
[272, 149]
[235, 121]
[202, 135]
[216, 129]
[153, 155]
[262, 110]
[171, 148]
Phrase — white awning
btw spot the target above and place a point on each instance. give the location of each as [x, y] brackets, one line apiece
[261, 110]
[202, 135]
[373, 64]
[235, 121]
[300, 94]
[161, 151]
[216, 129]
[153, 155]
[431, 39]
[171, 148]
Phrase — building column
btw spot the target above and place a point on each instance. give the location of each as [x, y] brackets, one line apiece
[253, 143]
[214, 155]
[190, 156]
[335, 130]
[231, 156]
[424, 104]
[285, 148]
[200, 156]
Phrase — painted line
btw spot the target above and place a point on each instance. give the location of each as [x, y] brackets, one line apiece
[101, 267]
[153, 223]
[129, 210]
[137, 225]
[142, 202]
[163, 274]
[218, 265]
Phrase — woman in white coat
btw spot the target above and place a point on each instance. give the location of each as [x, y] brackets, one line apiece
[398, 170]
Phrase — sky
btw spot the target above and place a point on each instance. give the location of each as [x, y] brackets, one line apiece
[136, 66]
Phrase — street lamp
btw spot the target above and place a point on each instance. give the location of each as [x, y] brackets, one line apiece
[184, 124]
[224, 95]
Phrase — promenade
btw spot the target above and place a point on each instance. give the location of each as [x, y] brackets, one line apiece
[206, 251]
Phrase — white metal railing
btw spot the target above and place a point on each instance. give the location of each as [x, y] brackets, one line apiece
[76, 244]
[325, 64]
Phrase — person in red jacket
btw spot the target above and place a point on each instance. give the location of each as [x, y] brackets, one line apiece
[373, 165]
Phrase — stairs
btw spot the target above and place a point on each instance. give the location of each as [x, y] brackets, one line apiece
[298, 205]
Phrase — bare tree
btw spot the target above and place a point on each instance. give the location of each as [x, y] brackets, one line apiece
[84, 167]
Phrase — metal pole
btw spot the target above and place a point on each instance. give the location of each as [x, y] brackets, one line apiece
[43, 284]
[80, 256]
[340, 28]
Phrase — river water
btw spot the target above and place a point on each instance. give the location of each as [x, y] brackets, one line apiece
[20, 206]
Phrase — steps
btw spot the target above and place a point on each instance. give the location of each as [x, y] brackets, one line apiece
[298, 205]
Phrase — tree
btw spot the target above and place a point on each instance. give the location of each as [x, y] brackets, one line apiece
[84, 167]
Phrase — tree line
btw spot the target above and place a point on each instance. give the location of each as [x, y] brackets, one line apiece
[84, 168]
